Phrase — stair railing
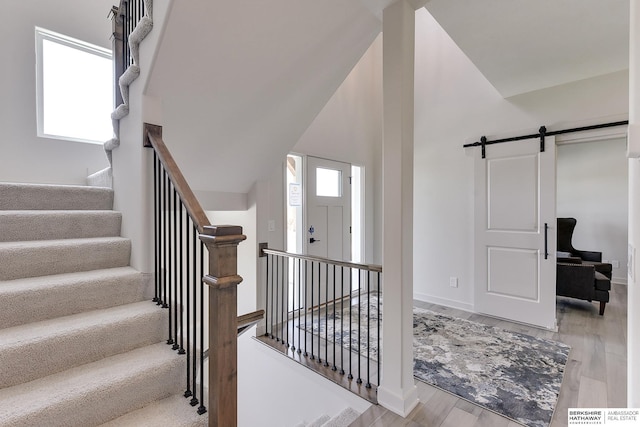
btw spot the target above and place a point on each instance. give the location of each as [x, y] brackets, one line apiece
[124, 19]
[182, 268]
[326, 314]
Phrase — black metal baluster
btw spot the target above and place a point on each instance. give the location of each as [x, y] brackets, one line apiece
[277, 301]
[274, 289]
[183, 226]
[202, 409]
[326, 315]
[306, 324]
[294, 308]
[299, 301]
[350, 376]
[175, 270]
[194, 399]
[282, 292]
[188, 392]
[155, 225]
[378, 322]
[267, 319]
[341, 320]
[286, 299]
[166, 244]
[312, 292]
[170, 300]
[162, 235]
[359, 380]
[125, 25]
[334, 367]
[368, 385]
[283, 309]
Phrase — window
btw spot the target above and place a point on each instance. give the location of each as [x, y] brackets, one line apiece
[74, 88]
[328, 182]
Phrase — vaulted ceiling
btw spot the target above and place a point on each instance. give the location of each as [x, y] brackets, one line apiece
[523, 45]
[241, 80]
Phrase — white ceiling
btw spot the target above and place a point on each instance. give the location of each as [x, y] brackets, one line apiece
[525, 45]
[241, 80]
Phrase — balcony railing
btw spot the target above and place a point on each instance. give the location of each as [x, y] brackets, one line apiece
[327, 315]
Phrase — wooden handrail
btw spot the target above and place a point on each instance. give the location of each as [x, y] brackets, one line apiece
[368, 267]
[153, 138]
[246, 321]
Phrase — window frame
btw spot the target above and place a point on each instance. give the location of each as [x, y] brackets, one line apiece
[42, 34]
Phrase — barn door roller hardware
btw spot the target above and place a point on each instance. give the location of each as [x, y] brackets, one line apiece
[542, 133]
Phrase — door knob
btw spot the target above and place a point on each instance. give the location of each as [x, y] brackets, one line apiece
[313, 240]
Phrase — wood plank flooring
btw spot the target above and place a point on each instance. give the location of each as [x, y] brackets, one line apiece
[595, 375]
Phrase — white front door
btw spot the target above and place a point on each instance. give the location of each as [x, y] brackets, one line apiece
[515, 232]
[328, 209]
[328, 228]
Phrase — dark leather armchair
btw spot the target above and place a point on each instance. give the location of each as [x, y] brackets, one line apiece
[566, 249]
[582, 281]
[580, 274]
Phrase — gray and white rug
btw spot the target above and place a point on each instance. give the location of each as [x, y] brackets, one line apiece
[513, 374]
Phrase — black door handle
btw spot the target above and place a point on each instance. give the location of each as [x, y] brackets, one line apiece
[312, 240]
[546, 240]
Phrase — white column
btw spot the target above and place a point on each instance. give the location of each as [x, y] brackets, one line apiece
[397, 391]
[633, 342]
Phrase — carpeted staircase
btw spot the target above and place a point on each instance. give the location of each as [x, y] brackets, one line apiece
[79, 345]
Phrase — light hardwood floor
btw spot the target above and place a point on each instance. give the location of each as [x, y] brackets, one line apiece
[595, 375]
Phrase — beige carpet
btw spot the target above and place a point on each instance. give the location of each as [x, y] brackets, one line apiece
[79, 346]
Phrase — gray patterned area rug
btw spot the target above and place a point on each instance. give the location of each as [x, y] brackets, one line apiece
[515, 375]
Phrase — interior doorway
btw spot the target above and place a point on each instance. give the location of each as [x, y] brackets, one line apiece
[592, 187]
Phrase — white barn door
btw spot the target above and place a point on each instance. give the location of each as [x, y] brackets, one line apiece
[515, 232]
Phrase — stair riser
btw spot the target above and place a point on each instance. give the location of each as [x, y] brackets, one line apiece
[47, 225]
[23, 305]
[51, 197]
[59, 352]
[32, 261]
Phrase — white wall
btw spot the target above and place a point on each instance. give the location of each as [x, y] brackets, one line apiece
[455, 104]
[278, 392]
[349, 129]
[26, 157]
[592, 183]
[246, 253]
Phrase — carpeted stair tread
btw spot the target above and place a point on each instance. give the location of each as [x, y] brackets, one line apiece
[92, 394]
[318, 422]
[16, 196]
[59, 344]
[35, 299]
[173, 411]
[46, 257]
[343, 419]
[52, 225]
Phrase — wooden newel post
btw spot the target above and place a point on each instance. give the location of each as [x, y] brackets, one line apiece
[223, 279]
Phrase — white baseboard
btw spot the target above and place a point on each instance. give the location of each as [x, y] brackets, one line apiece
[619, 280]
[465, 306]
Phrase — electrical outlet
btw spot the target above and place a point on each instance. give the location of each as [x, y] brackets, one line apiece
[271, 225]
[615, 263]
[453, 282]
